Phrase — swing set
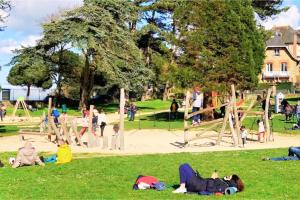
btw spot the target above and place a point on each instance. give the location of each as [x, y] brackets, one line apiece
[231, 117]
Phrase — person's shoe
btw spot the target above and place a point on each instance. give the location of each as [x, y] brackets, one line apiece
[180, 190]
[266, 158]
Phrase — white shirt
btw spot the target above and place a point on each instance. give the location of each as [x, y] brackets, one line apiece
[261, 127]
[198, 101]
[102, 118]
[244, 133]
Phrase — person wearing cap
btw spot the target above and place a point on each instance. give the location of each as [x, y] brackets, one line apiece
[27, 155]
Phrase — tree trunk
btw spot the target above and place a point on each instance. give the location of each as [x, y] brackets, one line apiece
[28, 92]
[166, 91]
[86, 83]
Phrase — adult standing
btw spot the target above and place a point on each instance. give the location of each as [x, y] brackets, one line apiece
[174, 108]
[102, 121]
[133, 110]
[197, 104]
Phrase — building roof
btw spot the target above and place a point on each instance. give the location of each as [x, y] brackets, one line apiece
[286, 33]
[275, 41]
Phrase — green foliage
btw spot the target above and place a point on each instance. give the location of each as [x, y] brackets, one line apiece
[98, 30]
[29, 69]
[221, 43]
[112, 177]
[267, 8]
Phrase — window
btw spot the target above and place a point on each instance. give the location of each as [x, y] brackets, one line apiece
[284, 67]
[277, 52]
[269, 67]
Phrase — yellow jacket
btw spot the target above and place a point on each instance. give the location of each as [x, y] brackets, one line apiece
[64, 154]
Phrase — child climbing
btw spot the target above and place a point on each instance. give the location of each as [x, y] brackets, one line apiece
[261, 131]
[244, 134]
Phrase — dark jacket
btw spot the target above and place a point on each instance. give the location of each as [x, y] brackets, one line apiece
[198, 184]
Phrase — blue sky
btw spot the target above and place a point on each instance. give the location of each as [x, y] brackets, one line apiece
[23, 24]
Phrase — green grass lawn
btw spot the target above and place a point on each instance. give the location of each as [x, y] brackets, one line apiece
[8, 130]
[113, 177]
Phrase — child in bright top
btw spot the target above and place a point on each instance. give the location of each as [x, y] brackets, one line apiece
[63, 155]
[244, 134]
[261, 131]
[85, 122]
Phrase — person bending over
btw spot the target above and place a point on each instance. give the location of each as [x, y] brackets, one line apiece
[293, 154]
[190, 181]
[27, 155]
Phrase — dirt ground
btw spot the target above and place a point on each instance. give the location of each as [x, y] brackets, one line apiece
[150, 141]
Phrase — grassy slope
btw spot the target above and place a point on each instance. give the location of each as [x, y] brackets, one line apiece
[112, 177]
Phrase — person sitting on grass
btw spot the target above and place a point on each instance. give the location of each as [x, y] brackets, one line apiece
[190, 181]
[27, 155]
[63, 155]
[293, 154]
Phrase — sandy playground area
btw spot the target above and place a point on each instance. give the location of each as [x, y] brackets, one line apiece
[148, 142]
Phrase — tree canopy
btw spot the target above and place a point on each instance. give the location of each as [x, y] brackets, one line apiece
[220, 42]
[29, 69]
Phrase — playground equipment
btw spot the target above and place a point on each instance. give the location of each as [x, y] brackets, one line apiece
[231, 113]
[21, 101]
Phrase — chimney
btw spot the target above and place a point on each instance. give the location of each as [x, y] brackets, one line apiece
[295, 44]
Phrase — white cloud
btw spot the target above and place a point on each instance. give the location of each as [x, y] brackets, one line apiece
[27, 15]
[8, 45]
[290, 17]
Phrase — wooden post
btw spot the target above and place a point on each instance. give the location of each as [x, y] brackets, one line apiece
[15, 109]
[225, 120]
[266, 116]
[56, 131]
[74, 129]
[122, 104]
[49, 116]
[235, 113]
[186, 113]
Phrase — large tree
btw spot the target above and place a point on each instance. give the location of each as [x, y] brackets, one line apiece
[221, 43]
[99, 31]
[29, 69]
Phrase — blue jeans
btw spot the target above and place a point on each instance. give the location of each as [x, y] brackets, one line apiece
[294, 154]
[186, 173]
[196, 118]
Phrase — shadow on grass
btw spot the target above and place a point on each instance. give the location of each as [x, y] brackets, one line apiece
[164, 116]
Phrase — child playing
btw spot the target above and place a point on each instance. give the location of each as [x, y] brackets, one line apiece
[63, 155]
[244, 134]
[85, 122]
[261, 131]
[115, 136]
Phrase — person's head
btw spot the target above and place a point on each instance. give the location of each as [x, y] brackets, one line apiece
[116, 128]
[27, 145]
[235, 181]
[101, 110]
[258, 121]
[60, 142]
[243, 128]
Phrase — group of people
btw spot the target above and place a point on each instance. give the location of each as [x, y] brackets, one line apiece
[28, 156]
[130, 109]
[99, 121]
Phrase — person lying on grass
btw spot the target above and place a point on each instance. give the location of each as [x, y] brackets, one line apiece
[190, 181]
[63, 155]
[293, 154]
[27, 155]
